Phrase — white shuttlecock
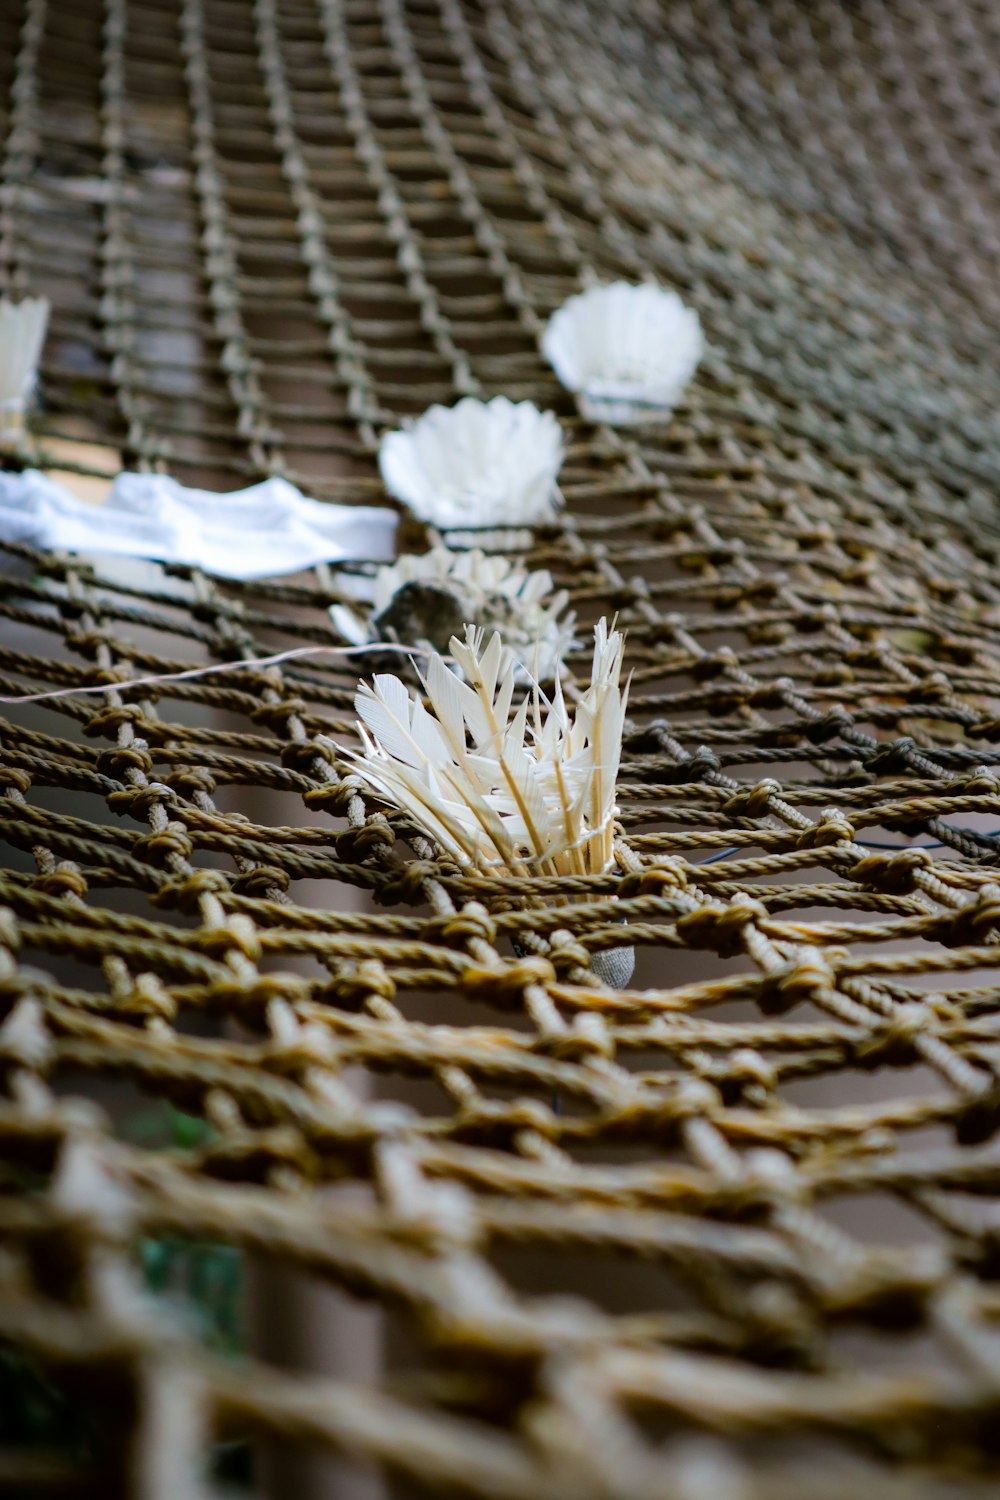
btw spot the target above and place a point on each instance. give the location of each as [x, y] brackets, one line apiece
[22, 334]
[477, 464]
[423, 600]
[627, 352]
[518, 791]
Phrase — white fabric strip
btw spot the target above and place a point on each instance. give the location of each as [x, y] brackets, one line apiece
[268, 529]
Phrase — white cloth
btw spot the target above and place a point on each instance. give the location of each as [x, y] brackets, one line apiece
[255, 533]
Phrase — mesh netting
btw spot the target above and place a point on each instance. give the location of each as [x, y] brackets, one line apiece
[731, 1233]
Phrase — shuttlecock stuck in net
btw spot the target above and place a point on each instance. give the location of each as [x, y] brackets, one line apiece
[423, 600]
[22, 334]
[515, 791]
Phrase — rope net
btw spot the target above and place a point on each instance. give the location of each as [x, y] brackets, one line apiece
[730, 1233]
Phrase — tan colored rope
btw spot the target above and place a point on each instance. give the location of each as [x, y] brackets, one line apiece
[731, 1234]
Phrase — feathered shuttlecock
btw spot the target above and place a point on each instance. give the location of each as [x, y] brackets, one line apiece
[22, 334]
[627, 352]
[423, 600]
[514, 791]
[477, 464]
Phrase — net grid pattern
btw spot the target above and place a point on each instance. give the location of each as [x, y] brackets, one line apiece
[270, 229]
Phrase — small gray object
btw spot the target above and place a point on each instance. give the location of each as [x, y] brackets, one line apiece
[421, 612]
[614, 966]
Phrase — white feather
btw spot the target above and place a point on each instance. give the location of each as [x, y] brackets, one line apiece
[446, 692]
[22, 334]
[347, 624]
[400, 724]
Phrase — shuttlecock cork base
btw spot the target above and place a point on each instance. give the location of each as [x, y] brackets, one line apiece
[614, 966]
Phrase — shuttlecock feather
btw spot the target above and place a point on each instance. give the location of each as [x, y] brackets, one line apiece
[476, 464]
[423, 600]
[512, 791]
[627, 352]
[22, 334]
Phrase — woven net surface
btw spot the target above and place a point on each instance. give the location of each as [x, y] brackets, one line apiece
[732, 1233]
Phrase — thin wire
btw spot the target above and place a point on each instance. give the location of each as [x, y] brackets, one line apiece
[864, 843]
[875, 844]
[216, 669]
